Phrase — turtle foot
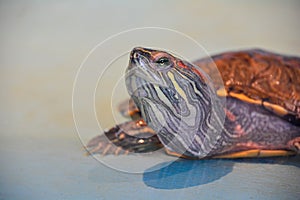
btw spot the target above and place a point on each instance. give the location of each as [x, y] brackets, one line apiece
[102, 145]
[295, 144]
[129, 137]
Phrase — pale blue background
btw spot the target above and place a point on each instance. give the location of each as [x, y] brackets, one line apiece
[42, 46]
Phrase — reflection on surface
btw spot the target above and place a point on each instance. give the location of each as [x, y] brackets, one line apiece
[189, 173]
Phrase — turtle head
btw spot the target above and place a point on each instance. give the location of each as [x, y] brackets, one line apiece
[175, 99]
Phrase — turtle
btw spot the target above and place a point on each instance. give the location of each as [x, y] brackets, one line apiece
[179, 106]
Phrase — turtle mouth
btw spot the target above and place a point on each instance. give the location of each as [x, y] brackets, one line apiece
[138, 60]
[140, 75]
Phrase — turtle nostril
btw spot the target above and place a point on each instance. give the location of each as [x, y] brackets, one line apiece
[134, 54]
[139, 51]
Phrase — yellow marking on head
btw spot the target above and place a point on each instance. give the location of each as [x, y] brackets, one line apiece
[162, 96]
[176, 86]
[144, 50]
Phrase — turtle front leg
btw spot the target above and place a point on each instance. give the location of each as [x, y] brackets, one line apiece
[133, 136]
[128, 109]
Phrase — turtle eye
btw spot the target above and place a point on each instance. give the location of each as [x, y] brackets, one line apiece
[164, 61]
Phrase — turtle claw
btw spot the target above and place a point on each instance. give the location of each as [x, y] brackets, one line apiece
[126, 138]
[118, 150]
[106, 150]
[95, 141]
[101, 145]
[295, 144]
[97, 148]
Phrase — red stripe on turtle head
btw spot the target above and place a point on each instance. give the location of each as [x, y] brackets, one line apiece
[192, 68]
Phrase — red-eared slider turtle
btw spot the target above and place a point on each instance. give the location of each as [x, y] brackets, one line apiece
[178, 100]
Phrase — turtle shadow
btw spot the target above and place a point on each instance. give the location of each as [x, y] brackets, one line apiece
[190, 173]
[187, 173]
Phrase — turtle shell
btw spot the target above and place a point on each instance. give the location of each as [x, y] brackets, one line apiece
[259, 77]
